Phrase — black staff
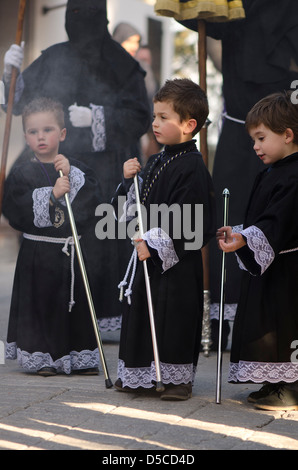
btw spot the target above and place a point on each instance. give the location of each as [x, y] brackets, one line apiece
[108, 381]
[226, 195]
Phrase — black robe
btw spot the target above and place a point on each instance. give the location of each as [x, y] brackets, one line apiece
[266, 324]
[42, 330]
[175, 273]
[115, 90]
[259, 57]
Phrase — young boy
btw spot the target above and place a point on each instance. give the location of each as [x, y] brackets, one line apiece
[50, 329]
[266, 328]
[177, 177]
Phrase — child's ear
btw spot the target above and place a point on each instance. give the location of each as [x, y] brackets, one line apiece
[63, 135]
[191, 125]
[289, 134]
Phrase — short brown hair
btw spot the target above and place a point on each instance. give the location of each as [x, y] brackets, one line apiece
[188, 99]
[40, 105]
[277, 112]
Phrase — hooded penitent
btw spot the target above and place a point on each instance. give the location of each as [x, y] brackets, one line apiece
[94, 72]
[86, 26]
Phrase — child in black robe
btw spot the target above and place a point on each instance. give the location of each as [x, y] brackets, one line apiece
[264, 346]
[50, 329]
[175, 178]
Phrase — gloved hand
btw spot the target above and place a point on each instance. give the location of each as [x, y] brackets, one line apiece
[13, 58]
[80, 116]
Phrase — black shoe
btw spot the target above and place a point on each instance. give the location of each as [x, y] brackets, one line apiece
[177, 392]
[118, 386]
[262, 393]
[47, 371]
[282, 398]
[89, 371]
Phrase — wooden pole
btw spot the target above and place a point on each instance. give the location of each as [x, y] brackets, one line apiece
[19, 33]
[202, 59]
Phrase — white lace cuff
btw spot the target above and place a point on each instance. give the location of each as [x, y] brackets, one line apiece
[41, 202]
[160, 241]
[260, 246]
[98, 128]
[41, 198]
[130, 207]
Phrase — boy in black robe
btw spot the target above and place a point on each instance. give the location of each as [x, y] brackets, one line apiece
[176, 177]
[50, 329]
[266, 326]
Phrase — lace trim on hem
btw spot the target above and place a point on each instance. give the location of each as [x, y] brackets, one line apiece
[110, 324]
[229, 311]
[32, 362]
[145, 376]
[260, 372]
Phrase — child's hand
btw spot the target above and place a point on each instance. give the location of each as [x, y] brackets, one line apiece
[228, 241]
[142, 249]
[131, 168]
[62, 186]
[62, 163]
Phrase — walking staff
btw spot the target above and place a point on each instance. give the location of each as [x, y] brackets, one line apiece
[21, 15]
[108, 381]
[226, 195]
[159, 385]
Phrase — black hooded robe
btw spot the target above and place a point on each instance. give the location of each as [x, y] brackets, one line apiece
[94, 71]
[175, 272]
[264, 346]
[42, 330]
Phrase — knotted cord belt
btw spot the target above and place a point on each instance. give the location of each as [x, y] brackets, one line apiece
[65, 242]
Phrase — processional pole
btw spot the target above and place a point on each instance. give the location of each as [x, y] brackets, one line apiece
[202, 54]
[226, 195]
[159, 385]
[18, 40]
[108, 381]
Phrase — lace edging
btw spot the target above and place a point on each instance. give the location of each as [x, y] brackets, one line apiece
[229, 311]
[161, 241]
[135, 377]
[41, 202]
[98, 128]
[260, 372]
[258, 243]
[35, 361]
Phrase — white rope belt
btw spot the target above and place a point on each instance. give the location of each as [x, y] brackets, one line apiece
[65, 242]
[225, 115]
[132, 264]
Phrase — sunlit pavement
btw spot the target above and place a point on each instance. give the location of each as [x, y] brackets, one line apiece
[80, 413]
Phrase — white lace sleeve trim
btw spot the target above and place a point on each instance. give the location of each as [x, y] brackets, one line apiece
[77, 181]
[160, 241]
[260, 246]
[98, 128]
[41, 202]
[130, 207]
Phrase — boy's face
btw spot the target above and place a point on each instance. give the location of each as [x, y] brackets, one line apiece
[269, 146]
[43, 135]
[167, 125]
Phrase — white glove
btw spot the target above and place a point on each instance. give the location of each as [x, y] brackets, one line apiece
[80, 116]
[13, 58]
